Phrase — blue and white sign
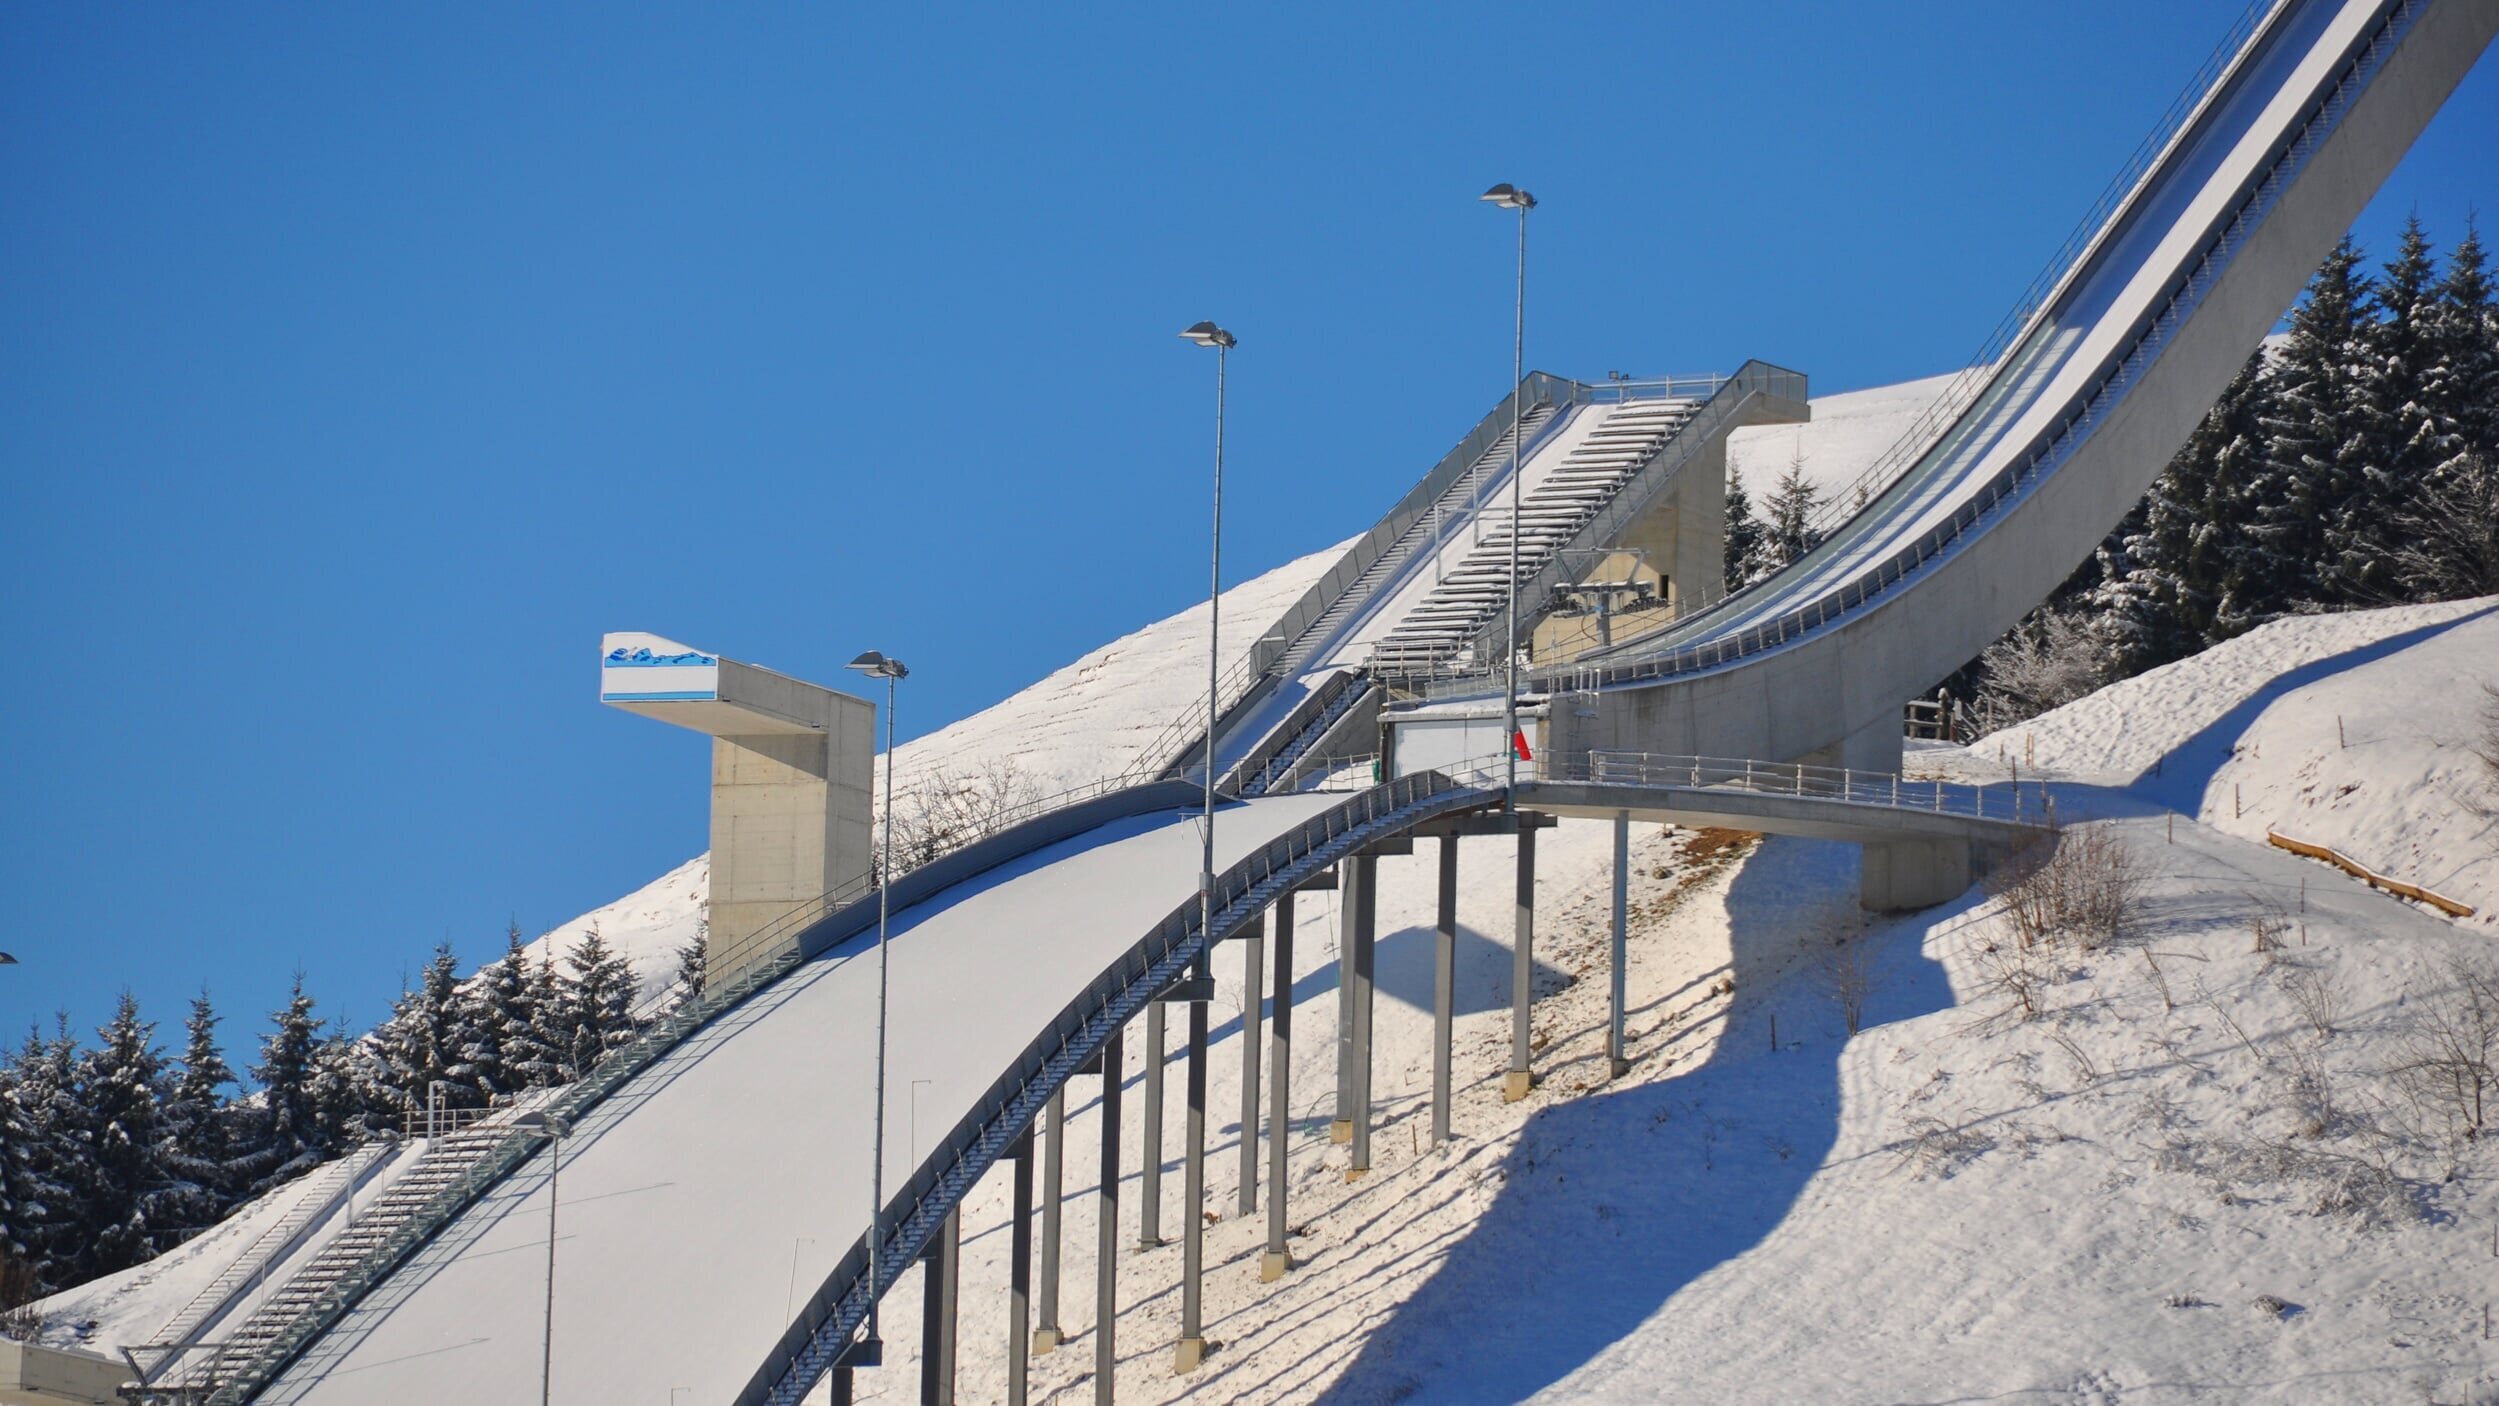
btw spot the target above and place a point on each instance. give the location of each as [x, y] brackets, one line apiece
[640, 668]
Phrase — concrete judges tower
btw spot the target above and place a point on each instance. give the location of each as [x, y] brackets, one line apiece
[790, 768]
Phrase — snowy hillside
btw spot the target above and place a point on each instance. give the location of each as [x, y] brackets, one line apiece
[2352, 730]
[1848, 433]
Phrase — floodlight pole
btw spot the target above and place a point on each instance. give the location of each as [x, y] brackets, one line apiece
[877, 665]
[1193, 1232]
[1509, 197]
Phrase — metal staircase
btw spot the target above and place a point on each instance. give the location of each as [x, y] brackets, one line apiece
[1453, 506]
[1437, 629]
[445, 1160]
[1280, 767]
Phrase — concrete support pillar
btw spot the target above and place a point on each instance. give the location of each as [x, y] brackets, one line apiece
[1106, 1227]
[1444, 988]
[1020, 1275]
[1521, 1078]
[1253, 1003]
[1053, 1192]
[1192, 1348]
[1905, 874]
[1341, 1131]
[840, 1386]
[1273, 1264]
[941, 1267]
[1616, 1060]
[1875, 747]
[1150, 1154]
[1362, 925]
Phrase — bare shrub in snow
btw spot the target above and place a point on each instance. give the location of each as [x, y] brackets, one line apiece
[1847, 975]
[2361, 1186]
[1935, 1148]
[2313, 993]
[2018, 972]
[2269, 927]
[946, 810]
[2080, 884]
[2045, 662]
[2313, 1113]
[2447, 1063]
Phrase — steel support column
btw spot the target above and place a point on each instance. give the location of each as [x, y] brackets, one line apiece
[1273, 1264]
[1362, 925]
[1616, 1059]
[1349, 885]
[1521, 1078]
[1053, 1191]
[1192, 1348]
[1150, 1154]
[1106, 1226]
[1444, 987]
[941, 1265]
[1020, 1275]
[1253, 1003]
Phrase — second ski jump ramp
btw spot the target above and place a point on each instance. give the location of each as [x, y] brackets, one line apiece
[689, 1202]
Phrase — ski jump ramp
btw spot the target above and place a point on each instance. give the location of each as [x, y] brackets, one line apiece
[712, 1199]
[2102, 386]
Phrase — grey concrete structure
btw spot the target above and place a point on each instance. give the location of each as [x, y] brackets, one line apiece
[1106, 1231]
[1277, 1259]
[1020, 1274]
[1253, 1012]
[790, 810]
[1046, 1330]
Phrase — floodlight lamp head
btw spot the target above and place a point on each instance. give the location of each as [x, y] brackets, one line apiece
[1207, 334]
[1509, 197]
[878, 666]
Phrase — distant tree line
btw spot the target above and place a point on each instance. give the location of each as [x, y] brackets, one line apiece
[2352, 463]
[112, 1154]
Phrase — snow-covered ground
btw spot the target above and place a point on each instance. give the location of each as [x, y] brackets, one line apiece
[1847, 433]
[1954, 1204]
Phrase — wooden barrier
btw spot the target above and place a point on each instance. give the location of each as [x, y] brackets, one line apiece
[2370, 876]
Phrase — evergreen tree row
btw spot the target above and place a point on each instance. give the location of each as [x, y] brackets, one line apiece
[113, 1154]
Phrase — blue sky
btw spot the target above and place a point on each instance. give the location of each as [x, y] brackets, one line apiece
[359, 367]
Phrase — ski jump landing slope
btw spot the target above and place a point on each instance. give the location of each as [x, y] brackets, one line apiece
[2101, 387]
[702, 1204]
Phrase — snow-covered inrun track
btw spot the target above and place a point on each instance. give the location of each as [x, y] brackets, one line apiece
[691, 1202]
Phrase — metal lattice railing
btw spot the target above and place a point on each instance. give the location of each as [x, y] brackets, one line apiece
[2014, 800]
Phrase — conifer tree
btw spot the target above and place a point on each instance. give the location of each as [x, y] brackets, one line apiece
[2465, 370]
[195, 1148]
[290, 1134]
[1791, 509]
[425, 1044]
[45, 1217]
[597, 1002]
[693, 963]
[2318, 445]
[124, 1183]
[1746, 538]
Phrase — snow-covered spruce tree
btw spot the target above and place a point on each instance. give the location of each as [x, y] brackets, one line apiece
[52, 1216]
[290, 1134]
[1747, 539]
[515, 1050]
[2409, 432]
[2179, 566]
[2319, 444]
[424, 1045]
[195, 1148]
[1790, 509]
[2465, 383]
[595, 1002]
[126, 1187]
[693, 961]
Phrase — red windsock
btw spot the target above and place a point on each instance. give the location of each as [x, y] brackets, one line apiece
[1518, 743]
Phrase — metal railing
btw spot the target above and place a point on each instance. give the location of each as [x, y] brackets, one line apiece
[835, 1311]
[2016, 801]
